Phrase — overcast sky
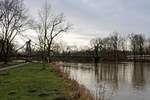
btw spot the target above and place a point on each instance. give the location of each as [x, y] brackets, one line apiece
[98, 18]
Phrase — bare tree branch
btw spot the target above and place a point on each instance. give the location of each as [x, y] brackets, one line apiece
[13, 21]
[49, 26]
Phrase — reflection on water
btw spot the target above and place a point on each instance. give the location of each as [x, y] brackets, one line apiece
[112, 81]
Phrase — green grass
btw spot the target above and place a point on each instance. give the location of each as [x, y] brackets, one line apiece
[31, 83]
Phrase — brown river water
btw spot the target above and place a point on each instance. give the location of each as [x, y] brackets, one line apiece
[112, 81]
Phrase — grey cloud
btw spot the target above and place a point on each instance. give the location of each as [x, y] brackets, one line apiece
[98, 17]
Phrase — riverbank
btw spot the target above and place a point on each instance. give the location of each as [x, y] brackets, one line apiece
[33, 83]
[77, 91]
[30, 82]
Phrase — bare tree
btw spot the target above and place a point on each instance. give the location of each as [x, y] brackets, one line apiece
[13, 21]
[115, 39]
[49, 26]
[137, 43]
[123, 45]
[107, 43]
[97, 45]
[109, 46]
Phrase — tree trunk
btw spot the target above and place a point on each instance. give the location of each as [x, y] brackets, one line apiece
[49, 51]
[96, 56]
[5, 59]
[2, 51]
[6, 53]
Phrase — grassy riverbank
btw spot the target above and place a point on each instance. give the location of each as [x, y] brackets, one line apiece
[30, 82]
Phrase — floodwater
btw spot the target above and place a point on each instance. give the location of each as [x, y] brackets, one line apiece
[112, 81]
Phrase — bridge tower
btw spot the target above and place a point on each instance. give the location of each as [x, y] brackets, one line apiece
[28, 51]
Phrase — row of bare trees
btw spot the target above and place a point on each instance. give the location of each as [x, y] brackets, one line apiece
[14, 21]
[138, 45]
[111, 44]
[117, 47]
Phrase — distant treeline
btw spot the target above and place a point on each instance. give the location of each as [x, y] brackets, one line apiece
[112, 48]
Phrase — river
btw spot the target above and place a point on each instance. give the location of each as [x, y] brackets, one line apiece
[112, 81]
